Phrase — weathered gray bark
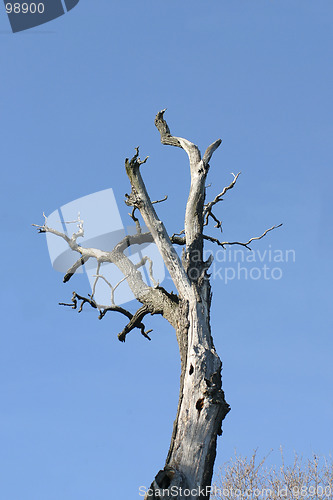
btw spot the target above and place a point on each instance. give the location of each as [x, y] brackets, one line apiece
[202, 406]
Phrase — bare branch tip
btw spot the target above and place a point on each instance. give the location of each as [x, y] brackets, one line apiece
[160, 201]
[160, 114]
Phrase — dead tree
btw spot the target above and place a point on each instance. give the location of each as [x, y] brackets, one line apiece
[202, 405]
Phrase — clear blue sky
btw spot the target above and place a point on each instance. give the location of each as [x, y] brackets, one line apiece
[84, 416]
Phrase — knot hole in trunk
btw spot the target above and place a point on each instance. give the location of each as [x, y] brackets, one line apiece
[199, 405]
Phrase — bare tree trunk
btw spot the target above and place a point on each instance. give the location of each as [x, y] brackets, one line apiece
[201, 409]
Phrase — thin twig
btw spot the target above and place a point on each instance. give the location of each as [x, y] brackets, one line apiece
[208, 207]
[224, 243]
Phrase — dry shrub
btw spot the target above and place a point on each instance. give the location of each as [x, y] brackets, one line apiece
[251, 479]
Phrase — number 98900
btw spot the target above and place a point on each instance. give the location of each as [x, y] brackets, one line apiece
[25, 8]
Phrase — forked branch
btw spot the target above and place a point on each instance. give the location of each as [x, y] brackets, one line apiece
[195, 203]
[135, 320]
[154, 297]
